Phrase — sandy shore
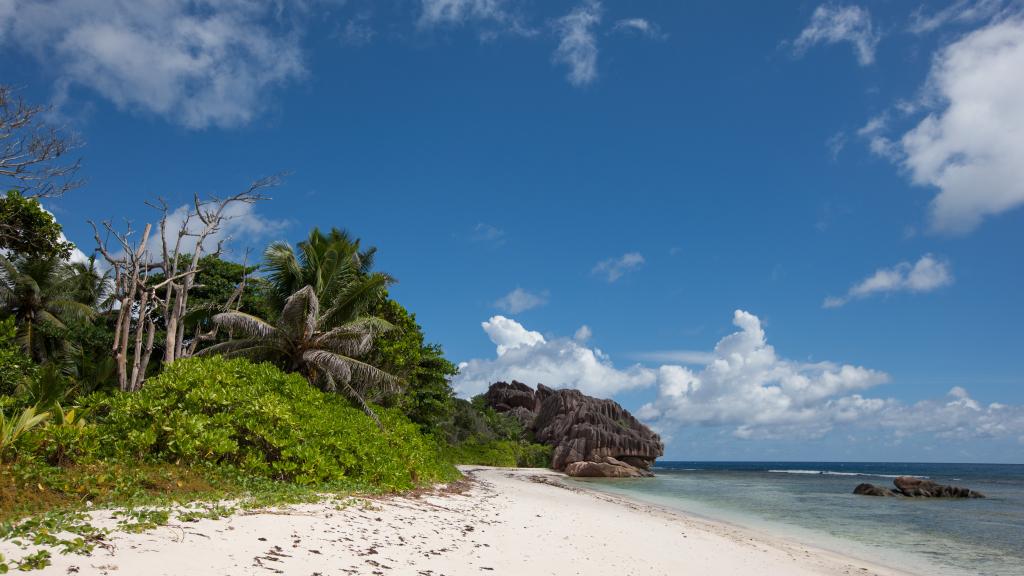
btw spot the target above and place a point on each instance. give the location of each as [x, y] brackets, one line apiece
[507, 522]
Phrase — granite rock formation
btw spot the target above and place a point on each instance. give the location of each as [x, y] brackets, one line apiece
[912, 487]
[590, 436]
[866, 489]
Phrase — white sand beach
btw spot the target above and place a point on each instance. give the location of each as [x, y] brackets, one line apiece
[508, 521]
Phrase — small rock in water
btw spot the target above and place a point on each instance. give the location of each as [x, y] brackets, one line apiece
[917, 488]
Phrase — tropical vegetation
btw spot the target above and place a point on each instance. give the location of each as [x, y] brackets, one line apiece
[158, 369]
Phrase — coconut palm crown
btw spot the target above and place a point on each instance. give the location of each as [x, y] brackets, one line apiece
[43, 295]
[311, 341]
[335, 266]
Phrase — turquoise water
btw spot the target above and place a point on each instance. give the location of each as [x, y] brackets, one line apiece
[813, 503]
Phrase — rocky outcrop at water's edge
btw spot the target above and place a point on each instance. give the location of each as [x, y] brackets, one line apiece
[591, 437]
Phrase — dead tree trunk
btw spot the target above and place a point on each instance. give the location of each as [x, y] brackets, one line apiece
[139, 300]
[203, 223]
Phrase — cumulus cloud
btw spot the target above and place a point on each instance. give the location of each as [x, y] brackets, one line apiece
[749, 388]
[927, 274]
[520, 300]
[640, 26]
[743, 385]
[969, 146]
[197, 62]
[614, 268]
[677, 356]
[832, 24]
[578, 46]
[527, 356]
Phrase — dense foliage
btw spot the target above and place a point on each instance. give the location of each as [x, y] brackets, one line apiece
[264, 422]
[427, 398]
[290, 377]
[25, 228]
[43, 296]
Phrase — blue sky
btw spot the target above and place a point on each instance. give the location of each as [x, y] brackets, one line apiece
[849, 176]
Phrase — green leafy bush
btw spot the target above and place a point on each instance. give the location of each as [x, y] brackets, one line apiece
[264, 422]
[15, 365]
[62, 443]
[534, 455]
[505, 453]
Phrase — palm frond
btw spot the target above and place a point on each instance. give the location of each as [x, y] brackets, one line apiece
[283, 270]
[252, 348]
[359, 374]
[357, 298]
[251, 326]
[71, 310]
[353, 338]
[300, 314]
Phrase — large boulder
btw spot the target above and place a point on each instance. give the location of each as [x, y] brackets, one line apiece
[602, 436]
[608, 468]
[917, 488]
[503, 396]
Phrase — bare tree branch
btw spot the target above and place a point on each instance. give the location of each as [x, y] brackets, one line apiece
[33, 153]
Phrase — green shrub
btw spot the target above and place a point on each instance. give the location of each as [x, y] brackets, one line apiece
[61, 444]
[264, 422]
[505, 453]
[533, 455]
[15, 365]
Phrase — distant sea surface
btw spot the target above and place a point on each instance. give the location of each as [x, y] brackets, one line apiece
[813, 503]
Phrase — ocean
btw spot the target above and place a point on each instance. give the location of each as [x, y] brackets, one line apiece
[812, 502]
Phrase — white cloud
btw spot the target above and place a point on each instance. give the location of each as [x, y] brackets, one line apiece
[677, 356]
[831, 24]
[520, 300]
[927, 274]
[615, 268]
[747, 385]
[578, 46]
[357, 31]
[835, 144]
[743, 385]
[956, 417]
[488, 233]
[527, 356]
[760, 395]
[960, 12]
[455, 12]
[198, 62]
[970, 145]
[641, 26]
[242, 225]
[878, 143]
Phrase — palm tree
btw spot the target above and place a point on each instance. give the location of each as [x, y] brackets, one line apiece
[312, 342]
[92, 286]
[42, 295]
[335, 266]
